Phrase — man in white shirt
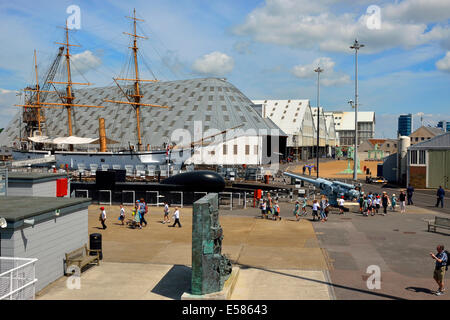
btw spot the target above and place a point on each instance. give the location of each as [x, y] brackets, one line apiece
[176, 215]
[103, 217]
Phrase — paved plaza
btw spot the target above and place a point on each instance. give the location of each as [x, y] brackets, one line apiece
[277, 259]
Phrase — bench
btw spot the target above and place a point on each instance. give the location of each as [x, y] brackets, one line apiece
[439, 223]
[81, 257]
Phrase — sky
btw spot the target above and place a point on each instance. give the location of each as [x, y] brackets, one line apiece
[266, 48]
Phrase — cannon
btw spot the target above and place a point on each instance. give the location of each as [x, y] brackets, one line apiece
[333, 190]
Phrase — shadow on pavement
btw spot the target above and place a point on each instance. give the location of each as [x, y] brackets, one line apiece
[420, 290]
[381, 295]
[174, 283]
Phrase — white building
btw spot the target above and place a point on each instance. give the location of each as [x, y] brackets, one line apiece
[345, 127]
[295, 118]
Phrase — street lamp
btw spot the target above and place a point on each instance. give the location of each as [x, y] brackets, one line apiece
[318, 70]
[356, 46]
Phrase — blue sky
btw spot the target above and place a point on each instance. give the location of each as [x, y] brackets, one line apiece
[266, 48]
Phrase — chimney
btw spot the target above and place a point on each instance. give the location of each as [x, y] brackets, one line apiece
[102, 132]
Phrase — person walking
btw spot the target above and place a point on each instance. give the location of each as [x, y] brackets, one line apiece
[122, 214]
[176, 216]
[166, 218]
[315, 210]
[297, 210]
[365, 206]
[309, 169]
[276, 210]
[409, 193]
[304, 169]
[440, 268]
[440, 196]
[402, 199]
[305, 203]
[323, 206]
[385, 202]
[264, 209]
[142, 211]
[393, 202]
[102, 217]
[341, 205]
[361, 202]
[377, 203]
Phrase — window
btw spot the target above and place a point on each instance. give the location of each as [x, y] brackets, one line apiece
[422, 157]
[413, 156]
[256, 149]
[225, 149]
[247, 150]
[235, 149]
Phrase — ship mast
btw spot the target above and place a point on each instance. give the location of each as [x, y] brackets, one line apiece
[69, 98]
[135, 98]
[35, 115]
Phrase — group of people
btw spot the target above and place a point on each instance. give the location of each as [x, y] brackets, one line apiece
[370, 204]
[270, 207]
[139, 212]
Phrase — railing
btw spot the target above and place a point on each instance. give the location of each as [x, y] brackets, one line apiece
[17, 278]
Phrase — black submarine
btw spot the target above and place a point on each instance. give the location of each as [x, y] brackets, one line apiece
[195, 181]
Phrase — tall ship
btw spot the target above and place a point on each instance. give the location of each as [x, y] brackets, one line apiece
[130, 124]
[78, 151]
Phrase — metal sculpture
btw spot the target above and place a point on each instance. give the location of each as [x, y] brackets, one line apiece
[210, 269]
[333, 190]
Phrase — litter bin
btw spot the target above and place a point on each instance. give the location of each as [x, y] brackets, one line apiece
[95, 243]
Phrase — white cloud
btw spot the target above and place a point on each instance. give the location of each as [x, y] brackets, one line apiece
[215, 63]
[85, 62]
[329, 77]
[8, 98]
[444, 63]
[299, 23]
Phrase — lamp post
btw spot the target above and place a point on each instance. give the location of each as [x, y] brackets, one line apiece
[318, 70]
[356, 46]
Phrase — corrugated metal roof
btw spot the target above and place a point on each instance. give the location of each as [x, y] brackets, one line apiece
[286, 114]
[439, 142]
[215, 102]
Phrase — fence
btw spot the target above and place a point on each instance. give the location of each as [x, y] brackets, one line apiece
[227, 200]
[17, 278]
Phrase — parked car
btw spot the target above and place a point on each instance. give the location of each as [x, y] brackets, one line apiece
[376, 180]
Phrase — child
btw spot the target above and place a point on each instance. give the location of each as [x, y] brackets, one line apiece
[361, 203]
[341, 205]
[276, 209]
[263, 209]
[315, 209]
[166, 213]
[296, 210]
[365, 206]
[369, 205]
[304, 206]
[378, 203]
[122, 214]
[393, 202]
